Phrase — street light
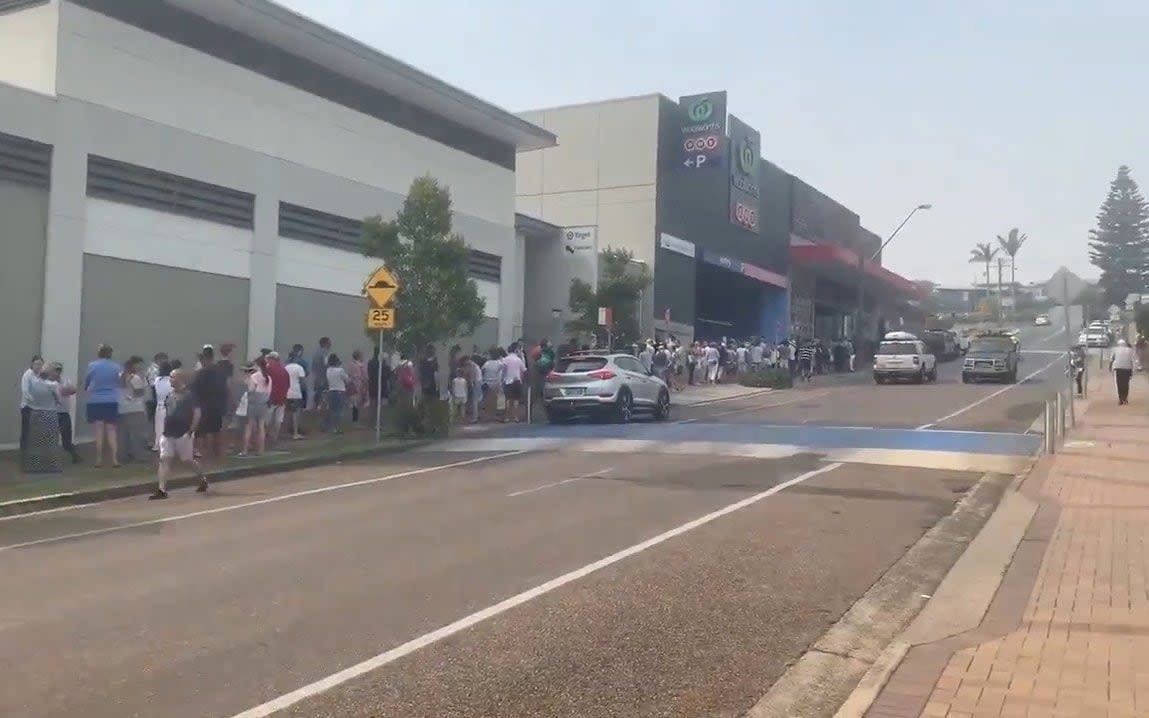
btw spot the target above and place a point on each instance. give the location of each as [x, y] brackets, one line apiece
[874, 256]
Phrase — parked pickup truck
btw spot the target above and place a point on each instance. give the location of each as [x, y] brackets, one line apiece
[991, 356]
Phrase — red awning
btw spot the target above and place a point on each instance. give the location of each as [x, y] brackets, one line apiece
[842, 265]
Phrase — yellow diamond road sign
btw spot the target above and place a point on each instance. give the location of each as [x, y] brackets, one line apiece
[381, 287]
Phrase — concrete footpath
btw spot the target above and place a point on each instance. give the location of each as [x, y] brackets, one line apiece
[1047, 613]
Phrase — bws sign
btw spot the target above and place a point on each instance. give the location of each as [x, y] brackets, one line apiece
[703, 127]
[745, 194]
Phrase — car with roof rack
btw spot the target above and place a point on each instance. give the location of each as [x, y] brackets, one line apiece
[900, 356]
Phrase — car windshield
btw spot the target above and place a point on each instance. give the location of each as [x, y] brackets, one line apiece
[897, 348]
[577, 365]
[991, 345]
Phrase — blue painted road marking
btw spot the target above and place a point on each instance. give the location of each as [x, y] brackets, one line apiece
[814, 437]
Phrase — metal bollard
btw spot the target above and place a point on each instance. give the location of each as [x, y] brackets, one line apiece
[1059, 416]
[1050, 442]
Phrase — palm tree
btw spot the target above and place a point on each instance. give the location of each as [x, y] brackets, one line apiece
[984, 252]
[1011, 245]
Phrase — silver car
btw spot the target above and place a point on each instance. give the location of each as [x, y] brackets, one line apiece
[603, 386]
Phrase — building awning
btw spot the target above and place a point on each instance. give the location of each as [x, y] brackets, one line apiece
[841, 265]
[746, 269]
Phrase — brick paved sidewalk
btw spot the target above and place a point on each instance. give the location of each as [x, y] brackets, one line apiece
[1082, 647]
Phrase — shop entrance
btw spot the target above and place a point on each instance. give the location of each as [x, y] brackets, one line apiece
[727, 304]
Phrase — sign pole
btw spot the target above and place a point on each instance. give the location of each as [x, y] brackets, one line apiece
[379, 391]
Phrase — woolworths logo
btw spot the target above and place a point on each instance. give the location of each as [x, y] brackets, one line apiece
[747, 156]
[700, 110]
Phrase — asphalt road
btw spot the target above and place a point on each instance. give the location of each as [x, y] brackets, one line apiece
[557, 580]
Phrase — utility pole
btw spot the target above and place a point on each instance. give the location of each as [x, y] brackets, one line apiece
[1000, 296]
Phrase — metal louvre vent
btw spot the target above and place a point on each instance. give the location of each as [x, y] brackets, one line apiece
[153, 189]
[311, 225]
[25, 161]
[14, 5]
[482, 265]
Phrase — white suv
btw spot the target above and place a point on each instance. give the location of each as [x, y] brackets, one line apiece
[902, 355]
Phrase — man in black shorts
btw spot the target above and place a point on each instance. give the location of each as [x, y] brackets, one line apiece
[210, 389]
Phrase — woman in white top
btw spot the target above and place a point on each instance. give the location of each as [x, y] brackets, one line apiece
[1121, 364]
[258, 386]
[492, 382]
[132, 424]
[337, 380]
[30, 374]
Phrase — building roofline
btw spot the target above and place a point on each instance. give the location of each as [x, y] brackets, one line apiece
[591, 103]
[535, 226]
[271, 22]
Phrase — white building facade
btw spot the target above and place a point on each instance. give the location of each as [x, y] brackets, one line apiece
[175, 172]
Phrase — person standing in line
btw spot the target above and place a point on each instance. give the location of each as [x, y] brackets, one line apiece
[66, 393]
[35, 366]
[359, 389]
[133, 419]
[258, 385]
[646, 357]
[337, 381]
[851, 352]
[296, 376]
[102, 406]
[1121, 364]
[277, 399]
[177, 439]
[40, 455]
[513, 371]
[807, 355]
[318, 372]
[459, 393]
[492, 382]
[295, 356]
[151, 374]
[429, 373]
[474, 375]
[209, 388]
[713, 360]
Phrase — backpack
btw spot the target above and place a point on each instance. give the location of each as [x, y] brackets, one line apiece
[545, 361]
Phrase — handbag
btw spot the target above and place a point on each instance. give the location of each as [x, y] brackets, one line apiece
[241, 410]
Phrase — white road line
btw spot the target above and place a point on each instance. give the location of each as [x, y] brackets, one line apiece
[721, 399]
[744, 409]
[592, 475]
[986, 398]
[56, 510]
[336, 679]
[1051, 337]
[249, 504]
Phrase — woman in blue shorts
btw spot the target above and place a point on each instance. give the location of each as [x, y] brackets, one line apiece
[102, 386]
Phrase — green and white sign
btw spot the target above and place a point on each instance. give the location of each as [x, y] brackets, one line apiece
[745, 194]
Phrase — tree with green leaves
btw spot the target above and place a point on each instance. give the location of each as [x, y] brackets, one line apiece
[437, 301]
[1011, 245]
[620, 286]
[1119, 247]
[983, 252]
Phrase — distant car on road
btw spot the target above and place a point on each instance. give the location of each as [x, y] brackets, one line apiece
[1041, 320]
[1096, 336]
[902, 355]
[991, 356]
[603, 386]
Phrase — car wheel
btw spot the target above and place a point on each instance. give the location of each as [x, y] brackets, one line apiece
[965, 378]
[879, 380]
[662, 408]
[624, 407]
[921, 377]
[933, 376]
[556, 417]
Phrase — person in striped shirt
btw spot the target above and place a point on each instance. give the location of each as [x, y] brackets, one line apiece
[806, 360]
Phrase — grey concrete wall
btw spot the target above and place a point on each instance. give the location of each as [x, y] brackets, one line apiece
[304, 315]
[23, 237]
[144, 308]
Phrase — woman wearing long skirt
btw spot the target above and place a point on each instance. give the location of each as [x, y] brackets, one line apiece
[42, 455]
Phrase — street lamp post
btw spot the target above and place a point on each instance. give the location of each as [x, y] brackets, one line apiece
[862, 266]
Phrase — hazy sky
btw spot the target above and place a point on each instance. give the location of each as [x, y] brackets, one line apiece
[1000, 113]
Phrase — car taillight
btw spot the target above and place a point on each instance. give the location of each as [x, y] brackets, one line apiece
[552, 376]
[601, 375]
[917, 360]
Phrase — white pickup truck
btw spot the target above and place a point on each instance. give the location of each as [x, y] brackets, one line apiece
[902, 355]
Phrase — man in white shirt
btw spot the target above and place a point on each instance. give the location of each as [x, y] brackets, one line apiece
[513, 370]
[646, 356]
[755, 356]
[1121, 364]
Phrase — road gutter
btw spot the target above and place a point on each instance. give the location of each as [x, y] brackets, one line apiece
[859, 652]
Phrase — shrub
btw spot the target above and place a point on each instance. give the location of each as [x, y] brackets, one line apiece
[429, 418]
[768, 378]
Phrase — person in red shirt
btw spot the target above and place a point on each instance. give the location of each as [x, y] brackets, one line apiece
[277, 400]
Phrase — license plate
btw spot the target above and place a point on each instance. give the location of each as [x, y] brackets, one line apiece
[576, 391]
